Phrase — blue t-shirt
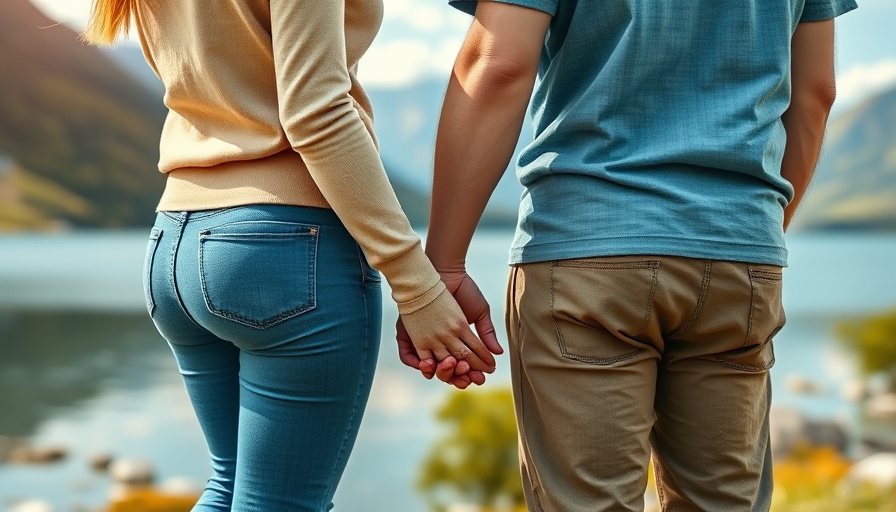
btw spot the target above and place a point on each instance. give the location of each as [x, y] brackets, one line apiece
[658, 129]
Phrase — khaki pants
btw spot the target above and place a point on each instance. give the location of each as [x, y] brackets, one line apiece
[612, 357]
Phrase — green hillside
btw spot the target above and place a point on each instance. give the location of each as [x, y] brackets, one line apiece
[79, 133]
[72, 118]
[855, 183]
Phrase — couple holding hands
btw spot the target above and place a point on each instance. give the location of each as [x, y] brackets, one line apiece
[672, 144]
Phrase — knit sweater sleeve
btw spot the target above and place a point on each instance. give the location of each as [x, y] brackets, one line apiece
[324, 126]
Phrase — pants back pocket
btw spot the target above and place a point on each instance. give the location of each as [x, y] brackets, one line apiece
[259, 273]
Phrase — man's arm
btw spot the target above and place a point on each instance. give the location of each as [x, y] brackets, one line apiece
[479, 127]
[812, 94]
[480, 122]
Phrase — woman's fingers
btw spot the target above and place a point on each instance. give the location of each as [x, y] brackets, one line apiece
[475, 377]
[447, 367]
[407, 352]
[460, 382]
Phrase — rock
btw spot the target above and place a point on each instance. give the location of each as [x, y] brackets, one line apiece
[132, 472]
[32, 506]
[799, 385]
[854, 390]
[827, 433]
[6, 444]
[882, 407]
[100, 462]
[26, 454]
[463, 507]
[789, 429]
[182, 486]
[878, 469]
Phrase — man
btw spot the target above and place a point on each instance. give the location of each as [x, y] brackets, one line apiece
[673, 143]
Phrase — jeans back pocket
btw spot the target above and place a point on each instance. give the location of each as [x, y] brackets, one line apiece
[151, 247]
[259, 273]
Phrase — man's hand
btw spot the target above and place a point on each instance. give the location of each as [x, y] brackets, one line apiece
[479, 127]
[478, 313]
[453, 370]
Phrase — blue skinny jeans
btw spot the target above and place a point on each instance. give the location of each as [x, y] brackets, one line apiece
[274, 318]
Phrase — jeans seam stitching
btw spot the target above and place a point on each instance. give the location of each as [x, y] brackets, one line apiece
[365, 277]
[342, 447]
[181, 225]
[221, 211]
[155, 238]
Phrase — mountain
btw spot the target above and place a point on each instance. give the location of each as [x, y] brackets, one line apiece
[855, 182]
[406, 121]
[130, 59]
[78, 135]
[79, 131]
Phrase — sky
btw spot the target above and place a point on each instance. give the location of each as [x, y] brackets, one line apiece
[420, 38]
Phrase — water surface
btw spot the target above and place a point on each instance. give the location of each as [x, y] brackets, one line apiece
[81, 364]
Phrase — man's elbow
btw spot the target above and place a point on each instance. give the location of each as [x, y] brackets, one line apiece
[493, 72]
[826, 93]
[818, 97]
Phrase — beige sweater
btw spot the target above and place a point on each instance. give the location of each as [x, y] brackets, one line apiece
[265, 108]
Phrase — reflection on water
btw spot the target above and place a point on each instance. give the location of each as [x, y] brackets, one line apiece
[106, 383]
[81, 364]
[55, 361]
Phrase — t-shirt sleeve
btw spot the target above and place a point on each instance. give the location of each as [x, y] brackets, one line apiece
[469, 6]
[818, 10]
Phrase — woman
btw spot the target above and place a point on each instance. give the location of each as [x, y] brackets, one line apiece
[253, 273]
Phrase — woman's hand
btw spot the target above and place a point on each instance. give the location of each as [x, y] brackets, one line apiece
[454, 368]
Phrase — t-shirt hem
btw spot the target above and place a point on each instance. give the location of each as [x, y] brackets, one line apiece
[628, 246]
[827, 10]
[469, 6]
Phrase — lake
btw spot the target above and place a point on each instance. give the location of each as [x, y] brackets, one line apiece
[82, 366]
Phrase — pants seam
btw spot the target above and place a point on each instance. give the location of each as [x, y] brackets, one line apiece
[655, 265]
[181, 225]
[515, 320]
[342, 447]
[704, 290]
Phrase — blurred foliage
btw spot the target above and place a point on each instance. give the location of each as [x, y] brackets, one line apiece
[809, 472]
[476, 462]
[815, 480]
[83, 133]
[148, 500]
[874, 340]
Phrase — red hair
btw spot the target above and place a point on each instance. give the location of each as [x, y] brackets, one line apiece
[108, 20]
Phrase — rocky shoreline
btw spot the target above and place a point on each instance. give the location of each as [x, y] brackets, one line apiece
[131, 482]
